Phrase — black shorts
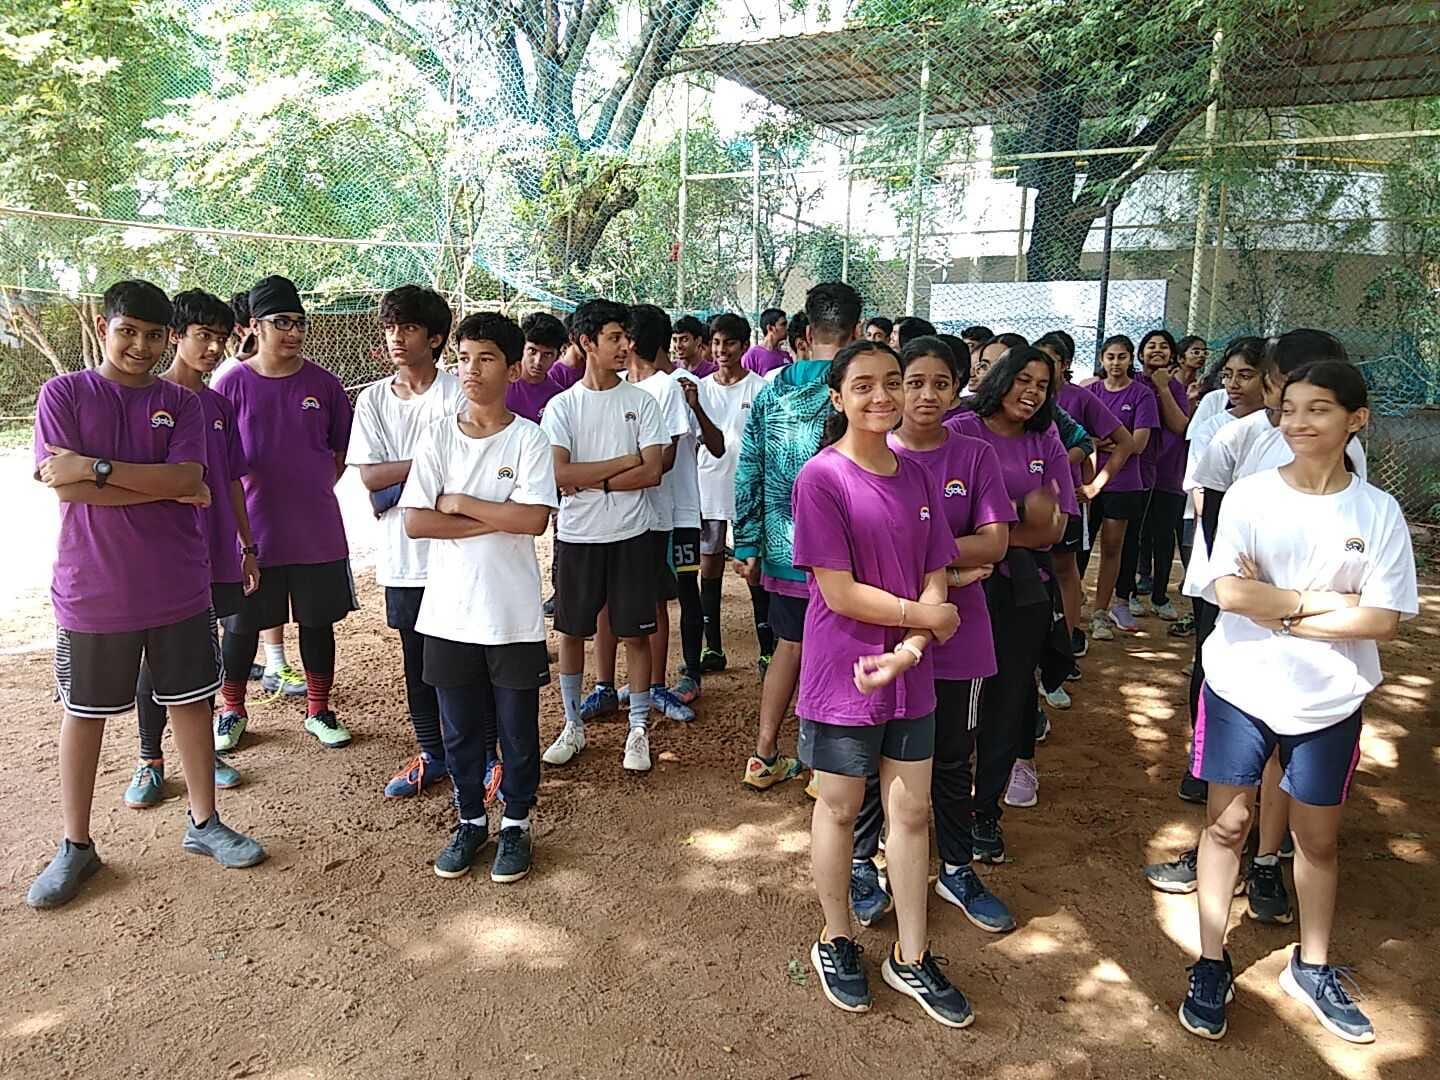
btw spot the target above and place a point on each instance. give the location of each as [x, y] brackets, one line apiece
[312, 594]
[856, 750]
[620, 574]
[95, 673]
[521, 665]
[402, 605]
[787, 616]
[685, 551]
[1074, 539]
[666, 587]
[226, 598]
[1122, 505]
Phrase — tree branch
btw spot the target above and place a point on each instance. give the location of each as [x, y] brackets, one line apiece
[668, 37]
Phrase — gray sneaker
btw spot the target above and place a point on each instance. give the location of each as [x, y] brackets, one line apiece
[229, 848]
[61, 880]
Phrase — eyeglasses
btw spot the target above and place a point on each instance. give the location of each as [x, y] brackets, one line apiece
[285, 324]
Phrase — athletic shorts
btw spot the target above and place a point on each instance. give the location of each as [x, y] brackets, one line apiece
[1121, 505]
[856, 750]
[666, 587]
[95, 673]
[620, 574]
[1074, 538]
[787, 616]
[226, 598]
[685, 550]
[712, 536]
[1231, 747]
[402, 605]
[520, 665]
[311, 594]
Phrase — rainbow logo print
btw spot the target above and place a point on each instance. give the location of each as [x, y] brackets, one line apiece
[160, 418]
[953, 488]
[1355, 544]
[505, 473]
[1037, 466]
[219, 424]
[309, 401]
[924, 513]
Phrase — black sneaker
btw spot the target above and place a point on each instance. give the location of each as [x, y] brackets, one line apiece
[867, 896]
[1287, 847]
[842, 977]
[1212, 987]
[987, 842]
[257, 672]
[927, 984]
[1073, 675]
[466, 842]
[712, 660]
[1079, 643]
[1173, 877]
[1193, 789]
[512, 855]
[549, 608]
[1265, 888]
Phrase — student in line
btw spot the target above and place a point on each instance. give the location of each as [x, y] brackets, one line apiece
[974, 337]
[907, 328]
[870, 530]
[1191, 356]
[534, 386]
[768, 354]
[480, 489]
[391, 414]
[878, 329]
[125, 455]
[690, 347]
[1162, 470]
[1310, 567]
[200, 325]
[798, 337]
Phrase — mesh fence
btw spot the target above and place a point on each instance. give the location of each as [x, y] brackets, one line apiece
[1098, 166]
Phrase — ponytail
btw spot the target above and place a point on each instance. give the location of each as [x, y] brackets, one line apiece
[835, 427]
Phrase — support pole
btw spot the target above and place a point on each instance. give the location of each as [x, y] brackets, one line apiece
[1020, 235]
[1217, 258]
[849, 191]
[1202, 208]
[917, 192]
[755, 234]
[683, 196]
[1104, 282]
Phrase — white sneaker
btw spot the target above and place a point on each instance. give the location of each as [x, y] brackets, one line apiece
[637, 750]
[1138, 607]
[1166, 611]
[567, 744]
[1058, 698]
[1100, 628]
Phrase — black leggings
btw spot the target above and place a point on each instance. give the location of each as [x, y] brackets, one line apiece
[1006, 729]
[467, 715]
[1160, 535]
[1205, 615]
[420, 696]
[692, 620]
[317, 649]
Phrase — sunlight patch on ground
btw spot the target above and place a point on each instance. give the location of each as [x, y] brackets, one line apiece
[1378, 750]
[27, 1026]
[494, 942]
[1178, 919]
[744, 841]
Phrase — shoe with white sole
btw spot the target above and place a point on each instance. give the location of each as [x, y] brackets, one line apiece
[637, 750]
[567, 744]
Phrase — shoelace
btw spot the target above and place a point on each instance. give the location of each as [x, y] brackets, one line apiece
[508, 841]
[868, 886]
[1266, 878]
[327, 718]
[145, 773]
[930, 972]
[847, 955]
[1331, 986]
[1206, 980]
[227, 722]
[413, 771]
[1189, 859]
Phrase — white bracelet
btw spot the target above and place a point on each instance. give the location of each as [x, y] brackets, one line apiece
[906, 646]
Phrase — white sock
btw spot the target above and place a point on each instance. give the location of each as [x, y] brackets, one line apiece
[517, 823]
[474, 821]
[951, 868]
[1267, 860]
[274, 658]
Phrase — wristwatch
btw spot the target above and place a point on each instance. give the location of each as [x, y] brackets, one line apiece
[102, 469]
[250, 549]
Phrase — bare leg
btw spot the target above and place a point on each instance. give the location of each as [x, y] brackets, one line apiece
[712, 566]
[1221, 843]
[1316, 871]
[832, 844]
[637, 664]
[1112, 541]
[905, 791]
[190, 727]
[1069, 574]
[572, 655]
[605, 647]
[775, 696]
[1274, 808]
[80, 739]
[659, 645]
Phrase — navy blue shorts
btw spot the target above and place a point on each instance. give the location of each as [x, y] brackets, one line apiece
[1231, 747]
[787, 616]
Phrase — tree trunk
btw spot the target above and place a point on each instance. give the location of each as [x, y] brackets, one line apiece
[580, 230]
[25, 324]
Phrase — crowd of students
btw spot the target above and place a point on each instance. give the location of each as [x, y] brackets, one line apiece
[912, 513]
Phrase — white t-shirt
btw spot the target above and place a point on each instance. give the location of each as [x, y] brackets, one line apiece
[1216, 401]
[675, 420]
[597, 425]
[685, 476]
[728, 408]
[1199, 435]
[483, 590]
[387, 428]
[1355, 541]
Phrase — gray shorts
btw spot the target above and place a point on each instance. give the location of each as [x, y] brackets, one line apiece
[856, 750]
[712, 536]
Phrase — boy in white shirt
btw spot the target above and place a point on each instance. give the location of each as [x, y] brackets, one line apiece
[390, 417]
[480, 489]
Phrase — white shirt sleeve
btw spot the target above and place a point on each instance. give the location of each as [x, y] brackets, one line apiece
[1355, 451]
[675, 413]
[426, 481]
[650, 427]
[368, 442]
[1232, 539]
[555, 422]
[536, 486]
[1216, 467]
[1390, 584]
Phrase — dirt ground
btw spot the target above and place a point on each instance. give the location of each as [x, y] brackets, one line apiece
[666, 927]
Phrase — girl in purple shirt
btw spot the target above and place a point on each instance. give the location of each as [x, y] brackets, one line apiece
[869, 528]
[1165, 467]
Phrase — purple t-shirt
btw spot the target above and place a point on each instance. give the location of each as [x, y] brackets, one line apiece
[704, 369]
[529, 399]
[887, 531]
[973, 495]
[119, 569]
[1087, 411]
[291, 429]
[564, 376]
[1027, 461]
[760, 359]
[1135, 408]
[1163, 463]
[226, 460]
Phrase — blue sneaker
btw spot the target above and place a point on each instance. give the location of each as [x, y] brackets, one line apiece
[58, 883]
[415, 776]
[662, 701]
[926, 983]
[512, 855]
[842, 976]
[232, 850]
[602, 701]
[1318, 986]
[1212, 987]
[226, 776]
[686, 688]
[147, 786]
[966, 891]
[870, 901]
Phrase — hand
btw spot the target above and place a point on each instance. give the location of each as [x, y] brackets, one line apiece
[749, 569]
[691, 390]
[65, 467]
[1273, 625]
[1105, 446]
[873, 672]
[1086, 493]
[945, 622]
[249, 573]
[200, 498]
[1042, 505]
[1248, 568]
[957, 577]
[449, 504]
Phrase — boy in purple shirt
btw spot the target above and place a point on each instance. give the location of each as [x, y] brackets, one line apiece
[294, 422]
[125, 453]
[768, 354]
[544, 340]
[690, 347]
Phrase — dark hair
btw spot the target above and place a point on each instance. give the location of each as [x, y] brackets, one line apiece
[419, 305]
[493, 327]
[138, 300]
[833, 309]
[936, 346]
[1010, 341]
[594, 315]
[1302, 346]
[977, 333]
[1118, 339]
[196, 307]
[835, 423]
[1340, 377]
[240, 307]
[911, 326]
[649, 330]
[989, 399]
[883, 324]
[688, 324]
[1060, 341]
[543, 329]
[1164, 335]
[798, 325]
[769, 317]
[1251, 348]
[735, 327]
[962, 356]
[1183, 345]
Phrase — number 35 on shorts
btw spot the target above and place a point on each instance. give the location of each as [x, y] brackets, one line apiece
[685, 550]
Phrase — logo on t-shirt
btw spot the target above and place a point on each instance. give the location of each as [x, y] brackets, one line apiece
[630, 416]
[309, 401]
[745, 406]
[219, 424]
[953, 488]
[1127, 407]
[505, 473]
[1037, 466]
[1355, 544]
[160, 418]
[924, 513]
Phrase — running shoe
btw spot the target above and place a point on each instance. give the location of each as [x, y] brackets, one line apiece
[226, 776]
[1212, 987]
[987, 840]
[512, 855]
[868, 897]
[257, 672]
[549, 608]
[1265, 890]
[415, 776]
[1100, 627]
[284, 680]
[325, 727]
[466, 842]
[762, 666]
[711, 661]
[602, 701]
[1058, 698]
[637, 750]
[1193, 789]
[1024, 789]
[1138, 607]
[664, 701]
[685, 690]
[1122, 616]
[842, 977]
[926, 983]
[494, 774]
[1319, 988]
[147, 786]
[966, 891]
[1079, 643]
[232, 850]
[762, 777]
[58, 883]
[811, 791]
[1184, 627]
[1144, 584]
[1042, 726]
[1174, 877]
[567, 744]
[229, 726]
[1166, 611]
[1073, 675]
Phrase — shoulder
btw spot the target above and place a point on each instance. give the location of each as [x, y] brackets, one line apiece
[318, 376]
[529, 433]
[61, 390]
[372, 395]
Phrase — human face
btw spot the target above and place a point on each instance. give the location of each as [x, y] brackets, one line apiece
[132, 346]
[536, 361]
[1117, 362]
[277, 343]
[1196, 356]
[610, 350]
[874, 333]
[409, 344]
[200, 348]
[1062, 366]
[1241, 380]
[929, 391]
[895, 338]
[727, 351]
[981, 363]
[1027, 394]
[484, 374]
[1155, 354]
[800, 348]
[1315, 424]
[872, 393]
[682, 347]
[779, 330]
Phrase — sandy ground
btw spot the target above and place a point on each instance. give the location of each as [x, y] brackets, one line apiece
[666, 927]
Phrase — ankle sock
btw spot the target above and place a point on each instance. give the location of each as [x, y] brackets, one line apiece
[570, 696]
[639, 708]
[274, 658]
[515, 823]
[1266, 860]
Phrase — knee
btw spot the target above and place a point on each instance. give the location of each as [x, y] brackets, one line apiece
[839, 813]
[1315, 847]
[1230, 829]
[909, 811]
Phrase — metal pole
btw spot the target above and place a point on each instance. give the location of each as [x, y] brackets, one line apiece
[1202, 208]
[1020, 235]
[683, 196]
[755, 233]
[849, 189]
[1217, 258]
[918, 194]
[1104, 281]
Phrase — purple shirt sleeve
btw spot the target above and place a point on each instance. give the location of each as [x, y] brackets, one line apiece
[55, 421]
[188, 442]
[990, 500]
[1147, 410]
[1095, 418]
[234, 448]
[821, 525]
[1057, 472]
